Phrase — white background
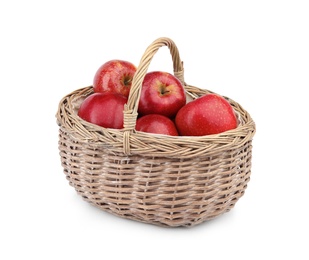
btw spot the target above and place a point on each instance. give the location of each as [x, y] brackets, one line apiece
[255, 52]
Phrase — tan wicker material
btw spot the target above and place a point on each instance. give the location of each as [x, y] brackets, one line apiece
[157, 179]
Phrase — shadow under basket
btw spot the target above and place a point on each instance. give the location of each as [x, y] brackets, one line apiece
[156, 179]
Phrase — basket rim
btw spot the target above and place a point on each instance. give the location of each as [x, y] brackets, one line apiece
[140, 142]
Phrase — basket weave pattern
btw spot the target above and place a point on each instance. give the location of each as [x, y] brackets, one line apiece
[156, 179]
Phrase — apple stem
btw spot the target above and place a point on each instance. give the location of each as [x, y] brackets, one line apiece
[163, 90]
[127, 81]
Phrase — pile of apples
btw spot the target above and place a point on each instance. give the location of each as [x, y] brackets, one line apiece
[163, 107]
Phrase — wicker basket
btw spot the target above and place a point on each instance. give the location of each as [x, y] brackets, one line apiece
[156, 179]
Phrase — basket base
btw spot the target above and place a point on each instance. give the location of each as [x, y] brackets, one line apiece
[174, 192]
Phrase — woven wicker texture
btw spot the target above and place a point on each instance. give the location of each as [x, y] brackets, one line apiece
[157, 179]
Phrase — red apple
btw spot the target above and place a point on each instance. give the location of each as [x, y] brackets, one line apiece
[156, 124]
[162, 93]
[114, 76]
[208, 114]
[103, 109]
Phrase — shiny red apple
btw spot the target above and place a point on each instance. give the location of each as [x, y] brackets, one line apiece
[208, 114]
[103, 109]
[162, 93]
[156, 124]
[114, 76]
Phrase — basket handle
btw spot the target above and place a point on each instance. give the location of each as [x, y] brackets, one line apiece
[130, 109]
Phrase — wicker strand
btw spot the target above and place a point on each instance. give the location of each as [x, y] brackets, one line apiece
[180, 75]
[128, 125]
